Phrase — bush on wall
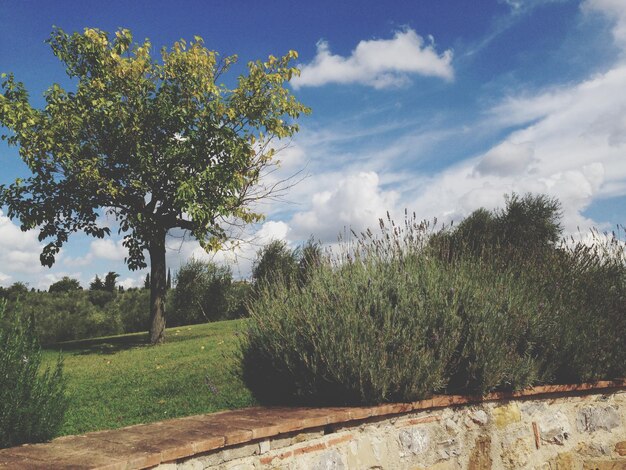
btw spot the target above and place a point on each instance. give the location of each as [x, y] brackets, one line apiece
[391, 319]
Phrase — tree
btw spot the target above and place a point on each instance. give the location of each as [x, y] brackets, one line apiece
[15, 291]
[169, 279]
[109, 281]
[146, 282]
[66, 284]
[529, 222]
[275, 262]
[96, 284]
[160, 144]
[311, 257]
[202, 293]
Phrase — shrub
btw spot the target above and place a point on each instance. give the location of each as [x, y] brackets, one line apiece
[132, 307]
[584, 290]
[32, 403]
[413, 312]
[66, 284]
[389, 322]
[66, 316]
[203, 293]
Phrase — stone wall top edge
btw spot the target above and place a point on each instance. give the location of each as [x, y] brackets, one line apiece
[147, 445]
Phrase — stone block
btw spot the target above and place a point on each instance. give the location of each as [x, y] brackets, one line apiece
[480, 417]
[506, 414]
[414, 441]
[480, 458]
[330, 460]
[593, 418]
[567, 461]
[554, 428]
[605, 464]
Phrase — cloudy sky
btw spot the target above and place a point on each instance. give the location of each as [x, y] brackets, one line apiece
[437, 106]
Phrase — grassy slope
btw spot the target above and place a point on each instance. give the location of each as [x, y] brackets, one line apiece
[118, 381]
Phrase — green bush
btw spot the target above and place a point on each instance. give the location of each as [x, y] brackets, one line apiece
[391, 319]
[389, 322]
[583, 288]
[32, 403]
[132, 307]
[205, 292]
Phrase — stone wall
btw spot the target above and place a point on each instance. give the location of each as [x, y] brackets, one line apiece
[548, 428]
[576, 432]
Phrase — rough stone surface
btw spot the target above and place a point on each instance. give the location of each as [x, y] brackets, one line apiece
[604, 464]
[480, 417]
[414, 441]
[567, 461]
[552, 432]
[505, 415]
[554, 428]
[330, 460]
[592, 418]
[480, 458]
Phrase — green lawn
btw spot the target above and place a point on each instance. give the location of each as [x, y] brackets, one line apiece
[118, 381]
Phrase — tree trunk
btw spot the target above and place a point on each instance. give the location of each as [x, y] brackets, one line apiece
[158, 288]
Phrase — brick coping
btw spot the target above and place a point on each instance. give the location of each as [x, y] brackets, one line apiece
[146, 445]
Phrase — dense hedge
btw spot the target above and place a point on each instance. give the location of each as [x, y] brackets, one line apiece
[411, 313]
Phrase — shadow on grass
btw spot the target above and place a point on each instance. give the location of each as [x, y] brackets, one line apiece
[114, 344]
[106, 345]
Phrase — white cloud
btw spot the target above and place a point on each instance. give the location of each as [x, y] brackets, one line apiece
[19, 250]
[572, 148]
[380, 63]
[5, 280]
[506, 159]
[130, 282]
[615, 10]
[108, 249]
[357, 202]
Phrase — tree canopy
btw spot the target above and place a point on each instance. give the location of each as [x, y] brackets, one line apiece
[156, 143]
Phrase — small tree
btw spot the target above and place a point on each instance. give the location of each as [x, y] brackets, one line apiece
[160, 144]
[66, 284]
[275, 261]
[201, 293]
[96, 284]
[110, 281]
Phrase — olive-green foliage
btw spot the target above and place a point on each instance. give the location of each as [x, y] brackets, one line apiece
[529, 223]
[66, 284]
[206, 292]
[275, 262]
[583, 290]
[133, 308]
[413, 312]
[387, 322]
[67, 315]
[32, 402]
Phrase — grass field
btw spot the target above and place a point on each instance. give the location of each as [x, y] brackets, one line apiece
[119, 380]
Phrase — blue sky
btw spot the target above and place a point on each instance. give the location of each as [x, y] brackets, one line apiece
[437, 106]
